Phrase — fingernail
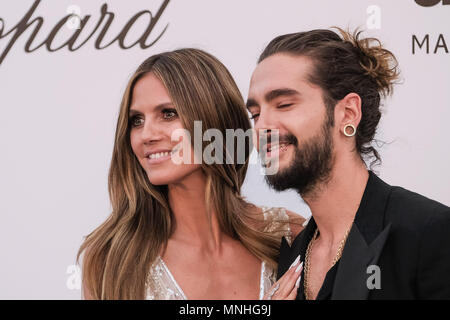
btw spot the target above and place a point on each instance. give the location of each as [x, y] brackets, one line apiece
[297, 283]
[299, 267]
[295, 262]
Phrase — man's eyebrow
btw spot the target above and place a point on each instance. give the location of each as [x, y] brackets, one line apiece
[271, 95]
[251, 103]
[157, 108]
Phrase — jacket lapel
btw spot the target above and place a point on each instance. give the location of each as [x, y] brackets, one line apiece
[365, 242]
[289, 253]
[351, 278]
[363, 247]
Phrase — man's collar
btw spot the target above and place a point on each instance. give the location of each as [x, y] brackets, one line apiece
[368, 224]
[370, 215]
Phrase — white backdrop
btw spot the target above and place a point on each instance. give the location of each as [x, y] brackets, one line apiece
[58, 112]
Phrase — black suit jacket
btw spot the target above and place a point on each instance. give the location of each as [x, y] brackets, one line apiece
[403, 233]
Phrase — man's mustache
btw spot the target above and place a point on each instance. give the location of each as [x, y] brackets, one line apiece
[282, 139]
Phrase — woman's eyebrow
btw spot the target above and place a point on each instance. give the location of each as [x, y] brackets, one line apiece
[157, 108]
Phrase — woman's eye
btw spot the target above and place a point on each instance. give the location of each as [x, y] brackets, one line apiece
[253, 116]
[169, 113]
[136, 121]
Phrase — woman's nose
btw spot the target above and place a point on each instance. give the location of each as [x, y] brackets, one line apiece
[152, 132]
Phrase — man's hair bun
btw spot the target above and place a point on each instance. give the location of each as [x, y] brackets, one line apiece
[378, 62]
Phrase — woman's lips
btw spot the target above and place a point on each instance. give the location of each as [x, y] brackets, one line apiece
[161, 157]
[151, 161]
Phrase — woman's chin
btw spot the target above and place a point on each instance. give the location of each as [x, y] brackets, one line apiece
[165, 179]
[173, 175]
[160, 181]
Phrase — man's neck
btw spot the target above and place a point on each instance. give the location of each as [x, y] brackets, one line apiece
[334, 204]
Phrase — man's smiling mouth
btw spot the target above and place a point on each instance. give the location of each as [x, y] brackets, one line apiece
[275, 147]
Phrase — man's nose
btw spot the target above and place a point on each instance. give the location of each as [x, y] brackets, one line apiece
[265, 126]
[265, 121]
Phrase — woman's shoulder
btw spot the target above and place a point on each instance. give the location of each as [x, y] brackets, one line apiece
[296, 222]
[276, 215]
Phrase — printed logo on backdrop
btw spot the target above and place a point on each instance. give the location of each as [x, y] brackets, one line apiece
[73, 281]
[431, 3]
[430, 44]
[74, 21]
[374, 17]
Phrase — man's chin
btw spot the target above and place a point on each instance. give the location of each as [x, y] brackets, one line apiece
[279, 181]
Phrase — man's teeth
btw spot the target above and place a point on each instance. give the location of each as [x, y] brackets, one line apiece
[276, 147]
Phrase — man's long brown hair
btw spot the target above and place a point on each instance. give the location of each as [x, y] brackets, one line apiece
[345, 62]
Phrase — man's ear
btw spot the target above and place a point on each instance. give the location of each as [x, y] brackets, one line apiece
[348, 111]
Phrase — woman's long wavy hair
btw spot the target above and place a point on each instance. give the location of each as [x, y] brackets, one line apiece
[117, 255]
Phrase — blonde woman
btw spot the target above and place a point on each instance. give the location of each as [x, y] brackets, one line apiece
[183, 231]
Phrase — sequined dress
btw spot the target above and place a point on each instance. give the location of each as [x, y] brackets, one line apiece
[161, 285]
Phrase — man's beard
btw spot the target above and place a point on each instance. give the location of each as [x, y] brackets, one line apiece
[311, 165]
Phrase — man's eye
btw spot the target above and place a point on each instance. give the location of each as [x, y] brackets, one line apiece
[169, 113]
[136, 121]
[253, 116]
[284, 105]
